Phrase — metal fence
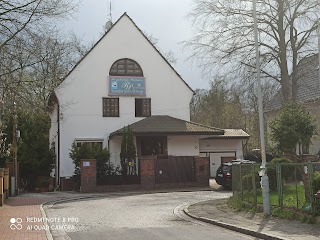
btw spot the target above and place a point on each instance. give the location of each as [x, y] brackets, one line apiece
[291, 184]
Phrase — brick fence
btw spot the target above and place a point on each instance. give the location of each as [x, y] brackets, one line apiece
[4, 185]
[88, 175]
[147, 174]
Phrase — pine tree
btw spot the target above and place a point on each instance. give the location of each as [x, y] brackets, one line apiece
[131, 152]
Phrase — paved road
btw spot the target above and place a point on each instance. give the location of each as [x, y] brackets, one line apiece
[144, 216]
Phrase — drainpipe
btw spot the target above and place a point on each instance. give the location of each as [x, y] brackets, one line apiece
[58, 155]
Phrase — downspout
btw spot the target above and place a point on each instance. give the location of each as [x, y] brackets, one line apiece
[58, 155]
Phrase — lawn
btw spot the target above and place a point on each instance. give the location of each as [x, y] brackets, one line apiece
[293, 197]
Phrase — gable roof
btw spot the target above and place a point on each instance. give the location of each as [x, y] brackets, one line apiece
[308, 83]
[166, 125]
[125, 14]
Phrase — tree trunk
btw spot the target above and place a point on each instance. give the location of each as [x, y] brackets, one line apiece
[285, 78]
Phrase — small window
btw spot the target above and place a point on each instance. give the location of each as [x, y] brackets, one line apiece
[97, 145]
[126, 67]
[153, 146]
[305, 148]
[143, 107]
[110, 107]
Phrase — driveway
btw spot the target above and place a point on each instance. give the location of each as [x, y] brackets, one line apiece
[136, 216]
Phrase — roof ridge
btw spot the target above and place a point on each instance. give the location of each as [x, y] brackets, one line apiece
[160, 53]
[124, 14]
[87, 53]
[199, 124]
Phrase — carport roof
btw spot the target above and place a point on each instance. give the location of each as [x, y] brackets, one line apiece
[232, 133]
[166, 125]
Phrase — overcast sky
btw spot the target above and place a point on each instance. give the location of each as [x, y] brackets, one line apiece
[165, 20]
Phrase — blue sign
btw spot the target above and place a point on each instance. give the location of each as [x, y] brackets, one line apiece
[127, 86]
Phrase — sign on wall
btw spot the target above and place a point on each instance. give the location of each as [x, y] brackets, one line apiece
[127, 86]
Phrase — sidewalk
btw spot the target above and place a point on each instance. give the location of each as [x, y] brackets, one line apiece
[14, 213]
[217, 212]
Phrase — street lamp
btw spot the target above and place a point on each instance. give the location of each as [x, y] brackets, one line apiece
[14, 180]
[263, 174]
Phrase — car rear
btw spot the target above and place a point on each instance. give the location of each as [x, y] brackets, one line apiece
[224, 175]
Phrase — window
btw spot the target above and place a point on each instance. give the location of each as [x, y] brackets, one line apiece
[91, 143]
[110, 107]
[126, 67]
[305, 148]
[143, 107]
[153, 146]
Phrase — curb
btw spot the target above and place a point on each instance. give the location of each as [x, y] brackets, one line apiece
[231, 226]
[53, 202]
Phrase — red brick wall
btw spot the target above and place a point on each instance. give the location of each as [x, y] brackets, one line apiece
[202, 165]
[147, 174]
[88, 175]
[147, 171]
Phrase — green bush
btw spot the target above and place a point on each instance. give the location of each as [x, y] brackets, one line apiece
[247, 181]
[272, 174]
[316, 182]
[86, 151]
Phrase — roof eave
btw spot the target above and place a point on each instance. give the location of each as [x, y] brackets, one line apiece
[165, 133]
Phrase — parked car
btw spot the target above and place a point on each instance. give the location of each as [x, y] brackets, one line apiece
[224, 175]
[224, 172]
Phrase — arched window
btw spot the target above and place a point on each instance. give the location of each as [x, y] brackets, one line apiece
[126, 67]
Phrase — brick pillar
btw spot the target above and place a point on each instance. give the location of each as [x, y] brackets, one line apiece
[1, 186]
[202, 170]
[147, 171]
[6, 182]
[88, 175]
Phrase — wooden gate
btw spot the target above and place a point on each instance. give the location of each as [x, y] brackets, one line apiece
[174, 169]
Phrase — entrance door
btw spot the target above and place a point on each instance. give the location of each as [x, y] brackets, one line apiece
[214, 164]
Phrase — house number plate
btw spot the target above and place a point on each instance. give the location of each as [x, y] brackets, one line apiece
[86, 164]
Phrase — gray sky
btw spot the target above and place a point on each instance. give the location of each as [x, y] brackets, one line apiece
[165, 20]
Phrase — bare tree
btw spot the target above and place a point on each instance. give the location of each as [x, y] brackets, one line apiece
[19, 16]
[224, 38]
[40, 69]
[169, 55]
[20, 22]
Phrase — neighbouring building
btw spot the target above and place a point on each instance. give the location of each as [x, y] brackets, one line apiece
[308, 94]
[124, 80]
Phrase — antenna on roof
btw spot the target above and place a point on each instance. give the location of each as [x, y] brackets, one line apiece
[108, 24]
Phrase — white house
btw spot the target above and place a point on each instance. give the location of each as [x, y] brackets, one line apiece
[125, 80]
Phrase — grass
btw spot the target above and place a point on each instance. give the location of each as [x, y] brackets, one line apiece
[294, 203]
[293, 197]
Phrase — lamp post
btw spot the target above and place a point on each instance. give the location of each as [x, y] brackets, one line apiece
[263, 174]
[14, 148]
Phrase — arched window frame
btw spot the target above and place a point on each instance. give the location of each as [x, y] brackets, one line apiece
[126, 67]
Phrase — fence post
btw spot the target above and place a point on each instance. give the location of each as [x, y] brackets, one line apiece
[296, 183]
[310, 177]
[279, 185]
[240, 178]
[254, 186]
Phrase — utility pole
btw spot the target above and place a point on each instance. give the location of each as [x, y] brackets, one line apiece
[263, 174]
[14, 148]
[319, 38]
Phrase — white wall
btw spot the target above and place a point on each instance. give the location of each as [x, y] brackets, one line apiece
[222, 145]
[183, 145]
[80, 95]
[217, 148]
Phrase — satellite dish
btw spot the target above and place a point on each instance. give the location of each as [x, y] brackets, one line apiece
[107, 26]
